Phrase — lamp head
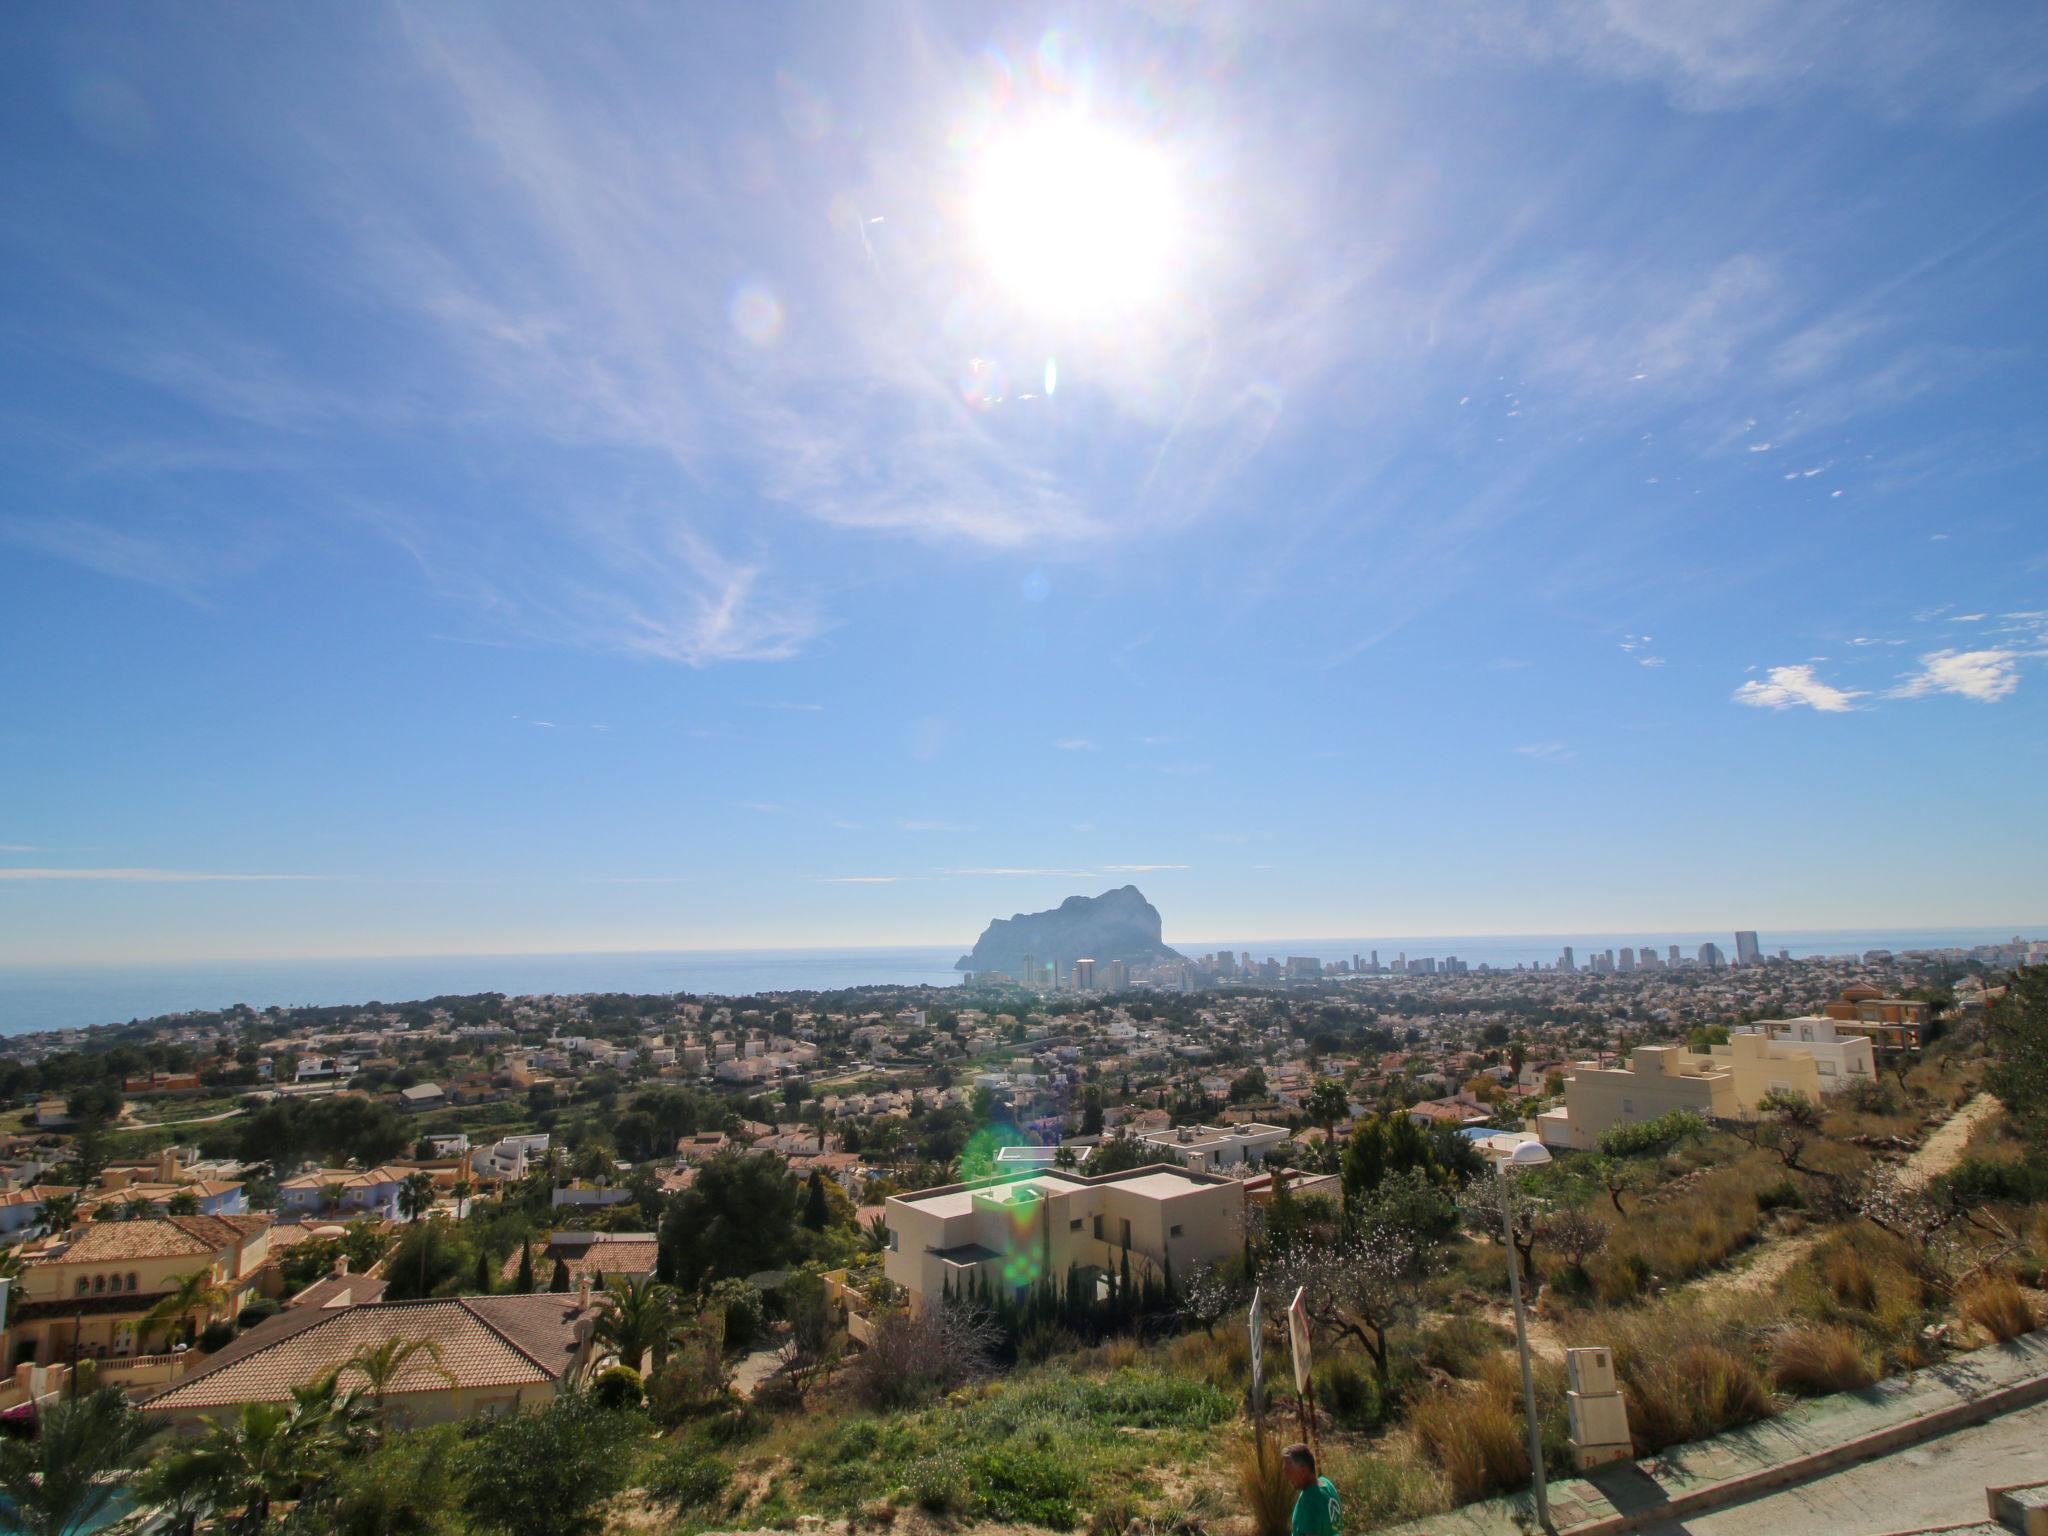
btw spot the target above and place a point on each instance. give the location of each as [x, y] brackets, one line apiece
[1527, 1154]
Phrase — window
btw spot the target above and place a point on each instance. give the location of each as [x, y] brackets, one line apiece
[1098, 1229]
[83, 1286]
[131, 1282]
[1173, 1231]
[1074, 1225]
[99, 1285]
[1628, 1106]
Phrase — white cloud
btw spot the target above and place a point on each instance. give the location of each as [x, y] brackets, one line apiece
[17, 848]
[861, 879]
[1986, 676]
[764, 807]
[1548, 751]
[1791, 687]
[1065, 874]
[1074, 744]
[143, 876]
[1138, 869]
[1650, 661]
[1759, 447]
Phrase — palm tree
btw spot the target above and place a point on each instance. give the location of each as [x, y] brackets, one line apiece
[380, 1365]
[415, 1199]
[61, 1481]
[876, 1237]
[416, 1195]
[331, 1196]
[262, 1453]
[1326, 1104]
[640, 1317]
[183, 1203]
[59, 1211]
[196, 1294]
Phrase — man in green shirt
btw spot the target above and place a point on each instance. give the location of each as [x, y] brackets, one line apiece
[1317, 1510]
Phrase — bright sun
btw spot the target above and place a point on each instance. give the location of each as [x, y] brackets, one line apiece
[1074, 218]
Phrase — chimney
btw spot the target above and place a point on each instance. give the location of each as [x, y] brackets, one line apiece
[583, 1291]
[340, 1265]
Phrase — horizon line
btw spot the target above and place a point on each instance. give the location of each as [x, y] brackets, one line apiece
[185, 959]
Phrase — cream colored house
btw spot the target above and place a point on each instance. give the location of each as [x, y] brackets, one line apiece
[1013, 1231]
[84, 1295]
[1841, 1055]
[1729, 1084]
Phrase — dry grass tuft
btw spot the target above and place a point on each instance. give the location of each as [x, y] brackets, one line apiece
[1261, 1484]
[1686, 1375]
[1475, 1439]
[1849, 1278]
[1816, 1361]
[1996, 1304]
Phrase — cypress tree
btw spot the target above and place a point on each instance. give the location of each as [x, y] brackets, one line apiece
[817, 1211]
[524, 1284]
[559, 1281]
[482, 1281]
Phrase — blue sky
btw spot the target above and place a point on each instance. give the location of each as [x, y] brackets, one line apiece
[522, 478]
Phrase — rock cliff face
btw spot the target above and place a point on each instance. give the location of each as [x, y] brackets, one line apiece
[1117, 925]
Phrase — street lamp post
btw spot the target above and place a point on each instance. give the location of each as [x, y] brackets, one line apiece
[1528, 1154]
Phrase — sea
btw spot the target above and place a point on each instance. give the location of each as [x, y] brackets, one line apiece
[39, 997]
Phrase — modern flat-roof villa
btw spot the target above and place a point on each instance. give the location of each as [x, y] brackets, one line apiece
[1014, 1230]
[1216, 1147]
[1729, 1084]
[1840, 1054]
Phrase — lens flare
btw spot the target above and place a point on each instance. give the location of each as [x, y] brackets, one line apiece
[983, 383]
[757, 315]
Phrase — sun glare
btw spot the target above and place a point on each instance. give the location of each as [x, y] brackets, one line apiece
[1073, 217]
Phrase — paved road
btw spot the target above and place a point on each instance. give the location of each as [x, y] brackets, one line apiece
[1939, 1482]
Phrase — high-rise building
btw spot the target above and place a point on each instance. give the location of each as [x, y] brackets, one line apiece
[1711, 957]
[1084, 975]
[1565, 963]
[1671, 955]
[1626, 965]
[1747, 951]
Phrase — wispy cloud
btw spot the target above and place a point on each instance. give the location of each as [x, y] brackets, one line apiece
[1548, 751]
[145, 876]
[915, 824]
[1074, 744]
[17, 848]
[863, 879]
[1139, 869]
[806, 709]
[1986, 676]
[1796, 687]
[763, 807]
[1065, 874]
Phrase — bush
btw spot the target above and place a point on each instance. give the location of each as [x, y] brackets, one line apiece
[937, 1485]
[1783, 1195]
[1816, 1361]
[1458, 1345]
[1351, 1396]
[1268, 1500]
[617, 1386]
[1475, 1439]
[1996, 1304]
[545, 1473]
[1380, 1491]
[407, 1486]
[1026, 1485]
[254, 1313]
[1657, 1135]
[688, 1477]
[741, 1307]
[216, 1335]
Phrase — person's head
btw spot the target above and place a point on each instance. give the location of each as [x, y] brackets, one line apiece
[1299, 1463]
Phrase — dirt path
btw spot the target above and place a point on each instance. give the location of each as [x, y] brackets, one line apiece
[1943, 1149]
[1778, 1257]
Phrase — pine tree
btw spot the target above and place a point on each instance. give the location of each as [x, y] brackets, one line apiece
[559, 1281]
[524, 1284]
[817, 1211]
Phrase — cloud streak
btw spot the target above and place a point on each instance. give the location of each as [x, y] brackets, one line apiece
[1796, 687]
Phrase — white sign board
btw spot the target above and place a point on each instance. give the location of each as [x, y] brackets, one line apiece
[1258, 1351]
[1297, 1334]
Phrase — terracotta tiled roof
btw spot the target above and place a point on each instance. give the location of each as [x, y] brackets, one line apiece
[484, 1341]
[117, 1242]
[347, 1178]
[36, 1194]
[608, 1256]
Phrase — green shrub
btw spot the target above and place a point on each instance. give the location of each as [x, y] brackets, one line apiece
[1459, 1345]
[937, 1485]
[407, 1486]
[617, 1386]
[1028, 1485]
[687, 1477]
[1351, 1396]
[216, 1335]
[1783, 1195]
[1657, 1135]
[259, 1309]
